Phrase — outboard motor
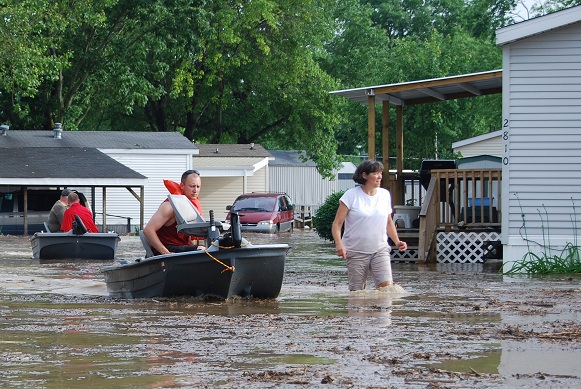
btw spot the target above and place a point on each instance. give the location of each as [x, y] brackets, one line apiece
[213, 232]
[78, 226]
[235, 229]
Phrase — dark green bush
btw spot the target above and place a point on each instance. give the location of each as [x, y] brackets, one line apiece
[323, 221]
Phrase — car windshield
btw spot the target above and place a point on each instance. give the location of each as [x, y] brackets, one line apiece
[256, 204]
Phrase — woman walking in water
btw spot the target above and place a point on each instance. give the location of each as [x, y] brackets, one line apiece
[366, 212]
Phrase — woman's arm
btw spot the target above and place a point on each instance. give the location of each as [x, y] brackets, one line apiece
[340, 217]
[392, 233]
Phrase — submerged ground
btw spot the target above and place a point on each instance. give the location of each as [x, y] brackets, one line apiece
[456, 326]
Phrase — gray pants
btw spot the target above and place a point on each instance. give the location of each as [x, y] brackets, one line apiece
[359, 264]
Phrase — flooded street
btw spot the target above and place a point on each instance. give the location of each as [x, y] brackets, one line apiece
[456, 326]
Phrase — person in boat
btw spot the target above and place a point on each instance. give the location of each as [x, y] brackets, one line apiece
[366, 212]
[75, 208]
[55, 217]
[161, 230]
[83, 200]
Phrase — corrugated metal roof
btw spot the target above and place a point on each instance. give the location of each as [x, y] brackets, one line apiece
[431, 90]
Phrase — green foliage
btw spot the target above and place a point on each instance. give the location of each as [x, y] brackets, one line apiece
[566, 262]
[323, 220]
[241, 71]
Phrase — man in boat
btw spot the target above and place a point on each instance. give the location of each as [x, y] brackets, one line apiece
[161, 230]
[75, 208]
[55, 218]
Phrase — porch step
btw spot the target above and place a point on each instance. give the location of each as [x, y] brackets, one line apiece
[412, 237]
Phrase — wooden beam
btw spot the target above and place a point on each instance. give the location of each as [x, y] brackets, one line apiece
[399, 138]
[400, 195]
[385, 142]
[371, 125]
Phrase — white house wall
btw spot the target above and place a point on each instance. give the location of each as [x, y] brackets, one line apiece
[303, 184]
[492, 146]
[218, 192]
[156, 167]
[541, 141]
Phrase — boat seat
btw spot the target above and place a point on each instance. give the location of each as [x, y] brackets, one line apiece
[146, 244]
[184, 210]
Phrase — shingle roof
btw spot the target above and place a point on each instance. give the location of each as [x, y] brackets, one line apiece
[289, 158]
[97, 139]
[64, 166]
[232, 150]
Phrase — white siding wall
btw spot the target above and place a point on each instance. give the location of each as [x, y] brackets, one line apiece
[492, 146]
[303, 184]
[542, 158]
[156, 167]
[219, 192]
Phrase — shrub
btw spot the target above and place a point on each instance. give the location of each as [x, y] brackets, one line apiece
[323, 221]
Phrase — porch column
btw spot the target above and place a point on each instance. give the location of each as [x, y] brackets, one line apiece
[386, 181]
[104, 189]
[400, 195]
[371, 124]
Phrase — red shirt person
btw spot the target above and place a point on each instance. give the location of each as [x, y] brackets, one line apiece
[75, 208]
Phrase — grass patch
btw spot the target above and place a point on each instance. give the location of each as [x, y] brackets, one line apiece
[567, 261]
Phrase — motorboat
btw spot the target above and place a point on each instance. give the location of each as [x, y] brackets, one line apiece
[74, 244]
[229, 266]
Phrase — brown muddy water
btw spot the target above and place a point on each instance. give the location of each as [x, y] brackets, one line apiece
[456, 326]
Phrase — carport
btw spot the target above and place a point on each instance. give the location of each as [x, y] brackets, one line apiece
[411, 93]
[28, 167]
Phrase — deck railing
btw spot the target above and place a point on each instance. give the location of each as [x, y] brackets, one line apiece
[459, 199]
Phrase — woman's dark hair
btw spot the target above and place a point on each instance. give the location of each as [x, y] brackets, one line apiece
[367, 166]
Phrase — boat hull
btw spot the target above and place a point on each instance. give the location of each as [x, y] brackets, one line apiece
[65, 245]
[258, 272]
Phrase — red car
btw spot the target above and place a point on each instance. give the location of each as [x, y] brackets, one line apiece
[264, 212]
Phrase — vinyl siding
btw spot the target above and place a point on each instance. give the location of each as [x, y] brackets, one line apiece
[219, 192]
[542, 162]
[303, 184]
[491, 146]
[156, 167]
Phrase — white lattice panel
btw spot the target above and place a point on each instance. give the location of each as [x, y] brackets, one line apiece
[463, 247]
[406, 256]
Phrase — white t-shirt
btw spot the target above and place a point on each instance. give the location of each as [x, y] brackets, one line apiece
[366, 222]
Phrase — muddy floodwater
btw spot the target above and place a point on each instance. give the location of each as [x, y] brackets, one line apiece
[453, 326]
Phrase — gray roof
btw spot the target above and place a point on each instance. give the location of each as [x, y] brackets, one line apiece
[429, 91]
[64, 166]
[232, 150]
[289, 158]
[538, 25]
[97, 139]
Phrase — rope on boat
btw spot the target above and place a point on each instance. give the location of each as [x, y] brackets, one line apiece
[231, 268]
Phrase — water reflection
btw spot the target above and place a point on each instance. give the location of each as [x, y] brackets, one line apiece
[60, 328]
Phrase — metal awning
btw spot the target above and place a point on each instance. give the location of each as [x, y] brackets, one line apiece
[410, 93]
[429, 91]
